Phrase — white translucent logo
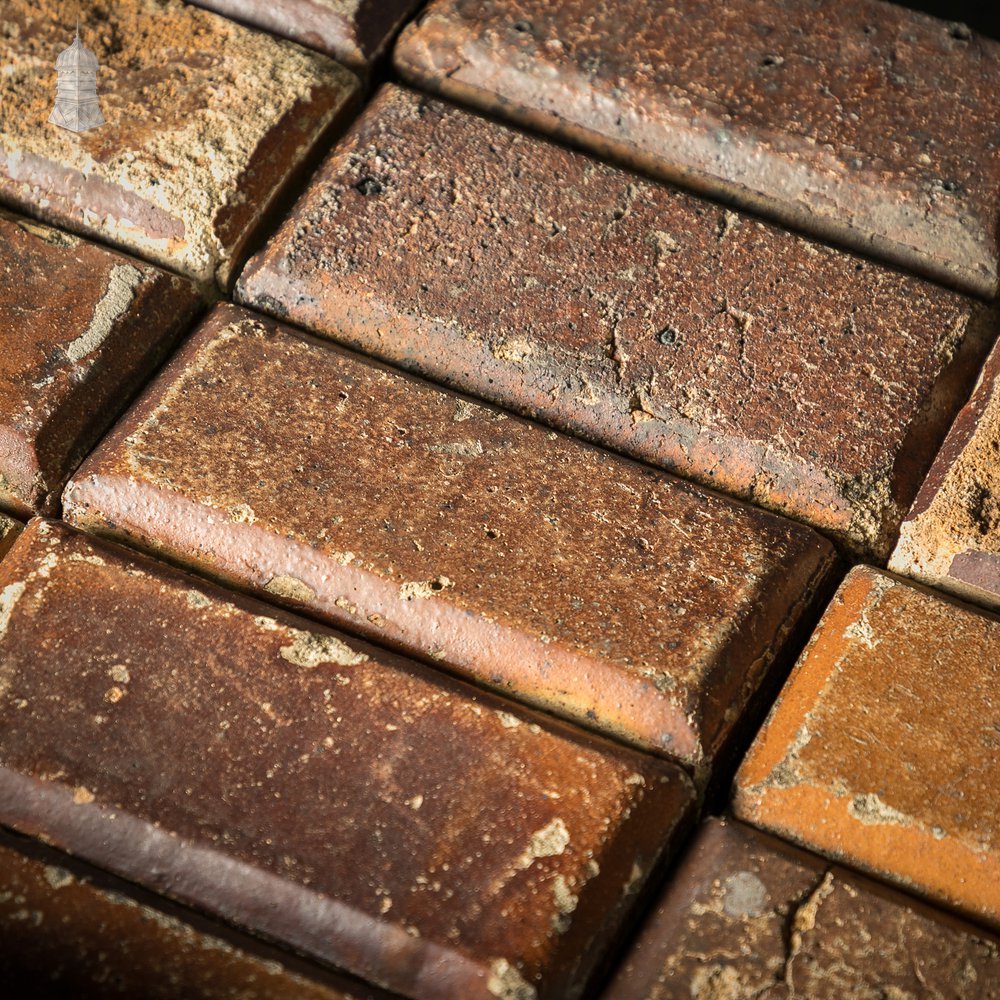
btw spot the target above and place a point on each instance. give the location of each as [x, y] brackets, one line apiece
[77, 107]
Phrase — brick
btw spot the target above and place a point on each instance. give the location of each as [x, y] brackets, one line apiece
[75, 932]
[881, 749]
[859, 121]
[951, 536]
[9, 530]
[205, 121]
[746, 915]
[83, 327]
[710, 344]
[565, 576]
[338, 799]
[354, 32]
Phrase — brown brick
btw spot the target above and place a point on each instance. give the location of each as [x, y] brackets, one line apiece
[75, 932]
[83, 327]
[718, 347]
[313, 789]
[355, 32]
[748, 916]
[859, 121]
[205, 120]
[565, 576]
[882, 748]
[951, 537]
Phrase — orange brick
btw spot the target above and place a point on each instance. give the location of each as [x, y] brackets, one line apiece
[882, 750]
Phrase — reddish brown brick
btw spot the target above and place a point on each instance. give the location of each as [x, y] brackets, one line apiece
[882, 749]
[76, 932]
[951, 537]
[573, 579]
[353, 805]
[859, 121]
[732, 353]
[205, 121]
[355, 32]
[82, 327]
[748, 916]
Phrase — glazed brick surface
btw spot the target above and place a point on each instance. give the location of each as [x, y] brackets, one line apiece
[205, 120]
[82, 328]
[68, 934]
[718, 347]
[748, 916]
[338, 799]
[951, 537]
[857, 120]
[355, 32]
[882, 748]
[565, 576]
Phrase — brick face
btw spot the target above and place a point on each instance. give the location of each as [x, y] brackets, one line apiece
[563, 575]
[732, 353]
[310, 788]
[82, 327]
[881, 750]
[859, 121]
[205, 121]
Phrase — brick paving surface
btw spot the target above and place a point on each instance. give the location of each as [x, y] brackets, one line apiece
[744, 357]
[854, 119]
[207, 792]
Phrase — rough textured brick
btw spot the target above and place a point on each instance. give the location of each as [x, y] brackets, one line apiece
[75, 932]
[748, 916]
[355, 32]
[857, 120]
[82, 327]
[882, 748]
[333, 797]
[205, 120]
[951, 537]
[713, 345]
[566, 576]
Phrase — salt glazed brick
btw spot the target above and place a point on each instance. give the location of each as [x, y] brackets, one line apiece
[882, 748]
[82, 328]
[565, 576]
[76, 932]
[355, 32]
[205, 121]
[951, 537]
[860, 121]
[340, 800]
[745, 915]
[716, 346]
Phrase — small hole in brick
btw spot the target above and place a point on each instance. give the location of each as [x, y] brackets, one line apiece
[368, 186]
[960, 32]
[950, 186]
[771, 61]
[490, 533]
[437, 585]
[668, 335]
[869, 29]
[524, 27]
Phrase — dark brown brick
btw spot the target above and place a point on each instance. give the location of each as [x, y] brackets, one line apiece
[205, 121]
[82, 328]
[333, 797]
[856, 120]
[746, 915]
[881, 751]
[75, 932]
[951, 536]
[718, 347]
[355, 32]
[565, 576]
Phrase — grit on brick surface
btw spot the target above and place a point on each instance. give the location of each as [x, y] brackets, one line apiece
[204, 122]
[882, 748]
[354, 32]
[83, 327]
[746, 915]
[563, 575]
[857, 120]
[951, 536]
[338, 799]
[723, 349]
